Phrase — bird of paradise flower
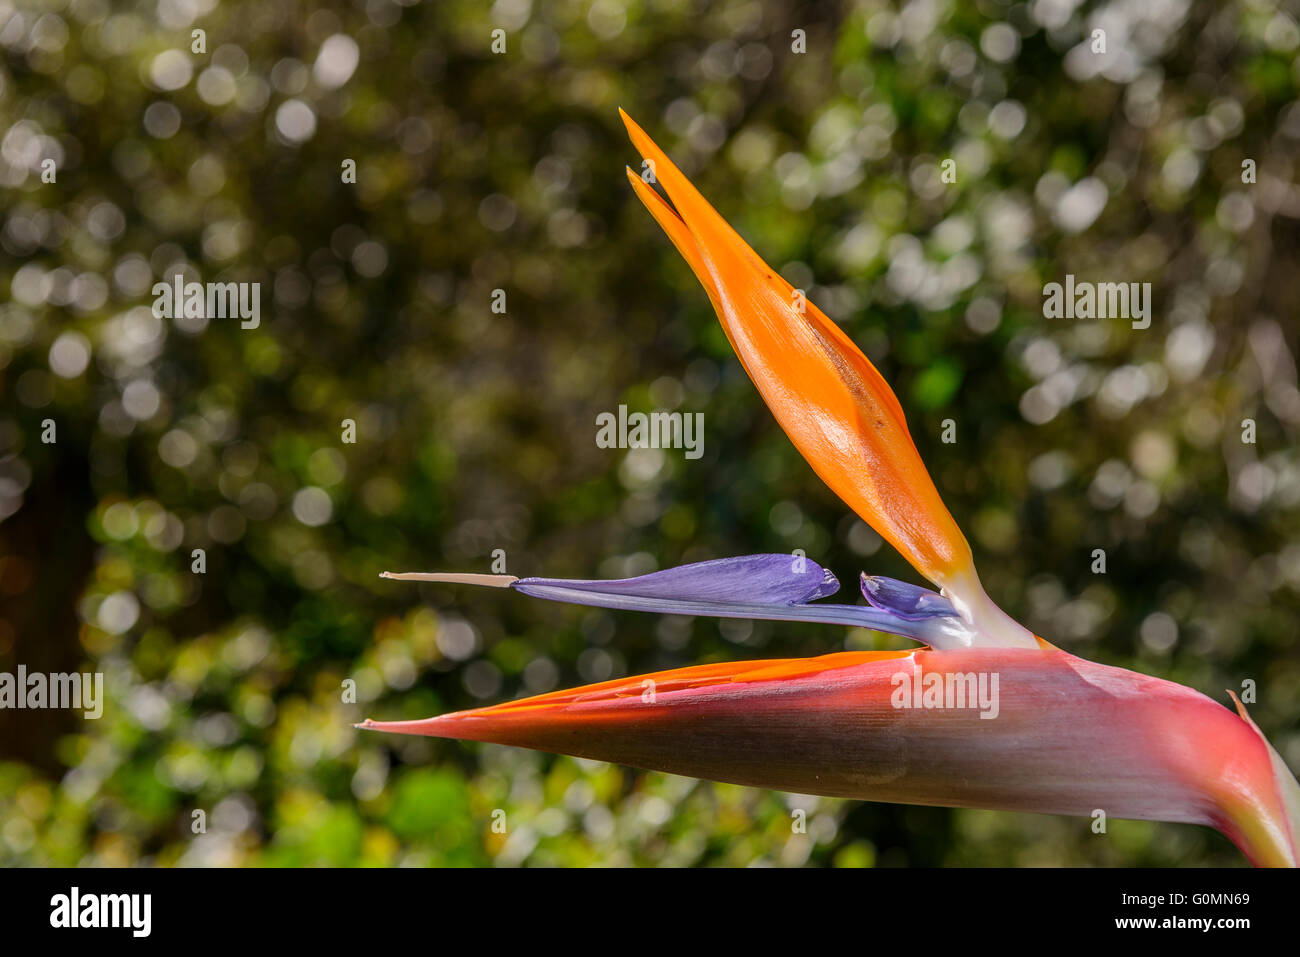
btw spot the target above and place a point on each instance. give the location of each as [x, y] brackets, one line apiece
[1067, 736]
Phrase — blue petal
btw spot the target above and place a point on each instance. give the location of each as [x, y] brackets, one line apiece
[765, 579]
[768, 587]
[906, 601]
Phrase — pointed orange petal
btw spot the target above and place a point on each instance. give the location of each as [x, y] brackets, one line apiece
[831, 401]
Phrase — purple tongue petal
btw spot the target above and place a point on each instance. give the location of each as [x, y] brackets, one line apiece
[754, 579]
[909, 602]
[768, 587]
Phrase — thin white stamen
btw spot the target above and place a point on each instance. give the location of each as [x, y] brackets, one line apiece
[452, 578]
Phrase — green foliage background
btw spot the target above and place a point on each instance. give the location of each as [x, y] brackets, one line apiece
[476, 431]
